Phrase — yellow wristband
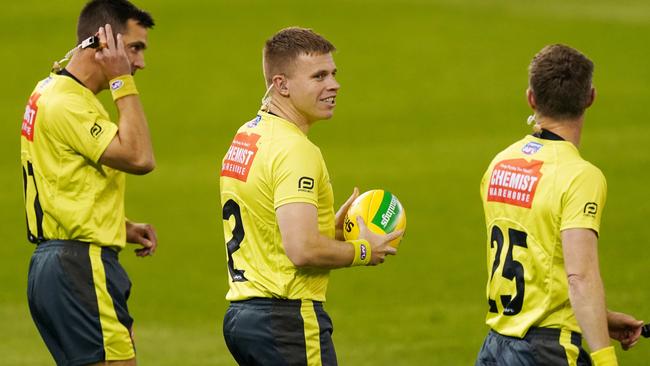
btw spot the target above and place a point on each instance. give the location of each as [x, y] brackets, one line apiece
[604, 357]
[122, 86]
[362, 252]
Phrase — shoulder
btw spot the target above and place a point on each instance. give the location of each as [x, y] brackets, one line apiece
[295, 150]
[581, 167]
[60, 100]
[581, 174]
[511, 150]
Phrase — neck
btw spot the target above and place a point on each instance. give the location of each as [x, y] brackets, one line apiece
[570, 129]
[86, 71]
[281, 107]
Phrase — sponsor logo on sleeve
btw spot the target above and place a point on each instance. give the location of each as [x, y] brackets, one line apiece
[29, 118]
[531, 148]
[117, 84]
[591, 209]
[96, 130]
[514, 182]
[240, 156]
[306, 184]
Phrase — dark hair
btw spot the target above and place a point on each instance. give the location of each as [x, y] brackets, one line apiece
[560, 79]
[289, 43]
[117, 13]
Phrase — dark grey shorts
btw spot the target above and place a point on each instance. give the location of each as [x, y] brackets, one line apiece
[540, 347]
[77, 295]
[274, 332]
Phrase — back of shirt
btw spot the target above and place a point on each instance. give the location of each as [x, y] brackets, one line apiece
[271, 163]
[69, 195]
[532, 191]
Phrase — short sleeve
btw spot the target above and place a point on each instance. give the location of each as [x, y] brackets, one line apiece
[584, 200]
[77, 124]
[297, 171]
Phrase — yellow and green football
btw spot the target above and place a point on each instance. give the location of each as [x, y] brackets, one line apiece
[381, 211]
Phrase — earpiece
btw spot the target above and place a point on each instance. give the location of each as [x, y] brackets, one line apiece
[266, 99]
[531, 119]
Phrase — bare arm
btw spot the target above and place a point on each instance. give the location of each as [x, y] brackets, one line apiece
[130, 150]
[586, 291]
[304, 244]
[307, 247]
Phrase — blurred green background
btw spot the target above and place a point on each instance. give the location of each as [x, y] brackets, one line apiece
[431, 90]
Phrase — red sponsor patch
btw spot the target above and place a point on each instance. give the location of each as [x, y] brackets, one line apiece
[239, 158]
[514, 182]
[29, 118]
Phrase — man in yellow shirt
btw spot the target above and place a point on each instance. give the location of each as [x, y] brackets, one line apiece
[282, 235]
[74, 161]
[543, 205]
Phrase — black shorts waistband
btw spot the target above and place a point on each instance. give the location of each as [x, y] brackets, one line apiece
[553, 333]
[74, 245]
[268, 302]
[546, 333]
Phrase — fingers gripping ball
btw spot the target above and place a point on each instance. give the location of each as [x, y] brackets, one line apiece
[381, 211]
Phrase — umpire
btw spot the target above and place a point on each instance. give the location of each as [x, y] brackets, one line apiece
[74, 161]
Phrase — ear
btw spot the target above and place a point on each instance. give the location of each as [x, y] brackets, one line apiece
[592, 97]
[531, 98]
[280, 84]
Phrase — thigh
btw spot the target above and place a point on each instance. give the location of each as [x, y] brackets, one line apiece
[251, 338]
[327, 351]
[282, 334]
[113, 288]
[72, 307]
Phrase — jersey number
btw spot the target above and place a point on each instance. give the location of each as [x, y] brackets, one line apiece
[229, 209]
[28, 172]
[512, 270]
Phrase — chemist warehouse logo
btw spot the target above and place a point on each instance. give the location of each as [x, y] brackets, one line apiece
[514, 182]
[239, 158]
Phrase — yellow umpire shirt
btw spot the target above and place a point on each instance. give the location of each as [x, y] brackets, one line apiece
[271, 163]
[68, 194]
[532, 191]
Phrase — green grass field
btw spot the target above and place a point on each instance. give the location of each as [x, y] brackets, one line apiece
[431, 90]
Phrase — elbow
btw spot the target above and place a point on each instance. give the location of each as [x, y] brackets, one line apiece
[575, 280]
[300, 260]
[582, 284]
[144, 168]
[577, 287]
[300, 253]
[143, 165]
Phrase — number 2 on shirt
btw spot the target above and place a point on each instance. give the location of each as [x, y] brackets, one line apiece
[229, 209]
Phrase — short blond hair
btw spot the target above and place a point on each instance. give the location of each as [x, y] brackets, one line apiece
[281, 50]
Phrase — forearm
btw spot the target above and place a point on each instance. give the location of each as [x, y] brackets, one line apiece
[323, 252]
[587, 297]
[133, 131]
[586, 291]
